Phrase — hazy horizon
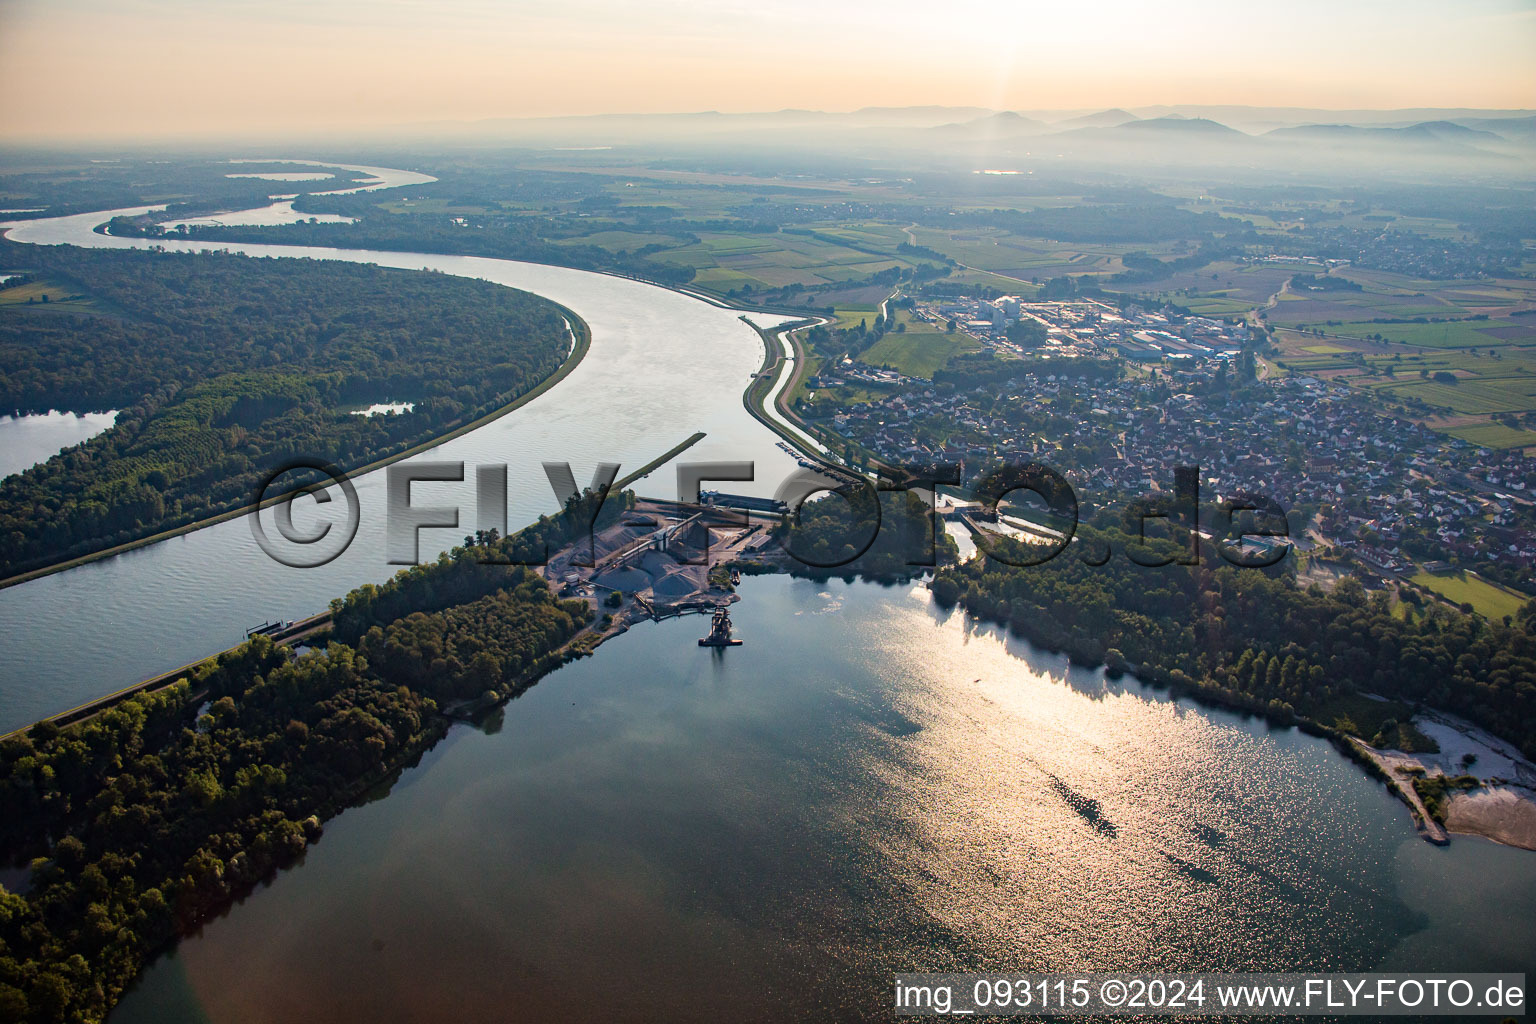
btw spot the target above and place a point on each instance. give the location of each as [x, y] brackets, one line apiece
[86, 69]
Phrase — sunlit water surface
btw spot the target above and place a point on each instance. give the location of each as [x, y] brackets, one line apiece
[264, 216]
[868, 785]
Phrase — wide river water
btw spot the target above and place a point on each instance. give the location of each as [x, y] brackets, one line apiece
[664, 833]
[662, 365]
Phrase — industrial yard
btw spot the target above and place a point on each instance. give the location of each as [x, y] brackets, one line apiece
[661, 559]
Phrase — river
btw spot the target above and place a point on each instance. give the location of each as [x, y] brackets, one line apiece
[868, 785]
[662, 365]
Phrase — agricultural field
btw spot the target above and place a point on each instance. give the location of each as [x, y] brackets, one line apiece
[1489, 600]
[446, 207]
[1470, 397]
[620, 240]
[1455, 375]
[1479, 384]
[1215, 305]
[1392, 297]
[1493, 435]
[723, 261]
[848, 317]
[50, 296]
[918, 351]
[1029, 259]
[1242, 286]
[1468, 334]
[882, 237]
[983, 279]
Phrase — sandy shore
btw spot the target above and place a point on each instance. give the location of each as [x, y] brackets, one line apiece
[1505, 814]
[1502, 808]
[1400, 768]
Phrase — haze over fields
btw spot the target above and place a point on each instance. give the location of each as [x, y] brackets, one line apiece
[72, 69]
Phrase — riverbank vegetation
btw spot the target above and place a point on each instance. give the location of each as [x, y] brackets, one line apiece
[883, 536]
[1254, 639]
[228, 368]
[151, 817]
[507, 238]
[68, 183]
[1436, 791]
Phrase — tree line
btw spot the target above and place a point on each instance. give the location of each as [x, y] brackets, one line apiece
[883, 535]
[508, 237]
[152, 816]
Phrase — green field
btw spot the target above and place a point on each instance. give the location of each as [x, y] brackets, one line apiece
[1494, 435]
[1471, 396]
[60, 298]
[1386, 296]
[1014, 256]
[723, 260]
[1495, 376]
[436, 206]
[1488, 599]
[1215, 305]
[918, 353]
[619, 240]
[1457, 334]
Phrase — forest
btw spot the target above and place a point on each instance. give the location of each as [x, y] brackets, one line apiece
[1255, 639]
[226, 368]
[149, 818]
[881, 535]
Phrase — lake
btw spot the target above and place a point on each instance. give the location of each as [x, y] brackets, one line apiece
[868, 785]
[384, 409]
[27, 440]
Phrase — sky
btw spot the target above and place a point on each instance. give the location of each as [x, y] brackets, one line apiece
[150, 69]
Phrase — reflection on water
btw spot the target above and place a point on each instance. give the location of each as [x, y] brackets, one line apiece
[658, 834]
[277, 213]
[377, 177]
[27, 440]
[284, 175]
[384, 409]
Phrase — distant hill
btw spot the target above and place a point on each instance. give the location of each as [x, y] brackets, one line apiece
[1251, 136]
[1516, 129]
[1262, 119]
[1155, 129]
[1451, 131]
[1112, 118]
[1322, 133]
[1424, 133]
[1177, 126]
[1002, 124]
